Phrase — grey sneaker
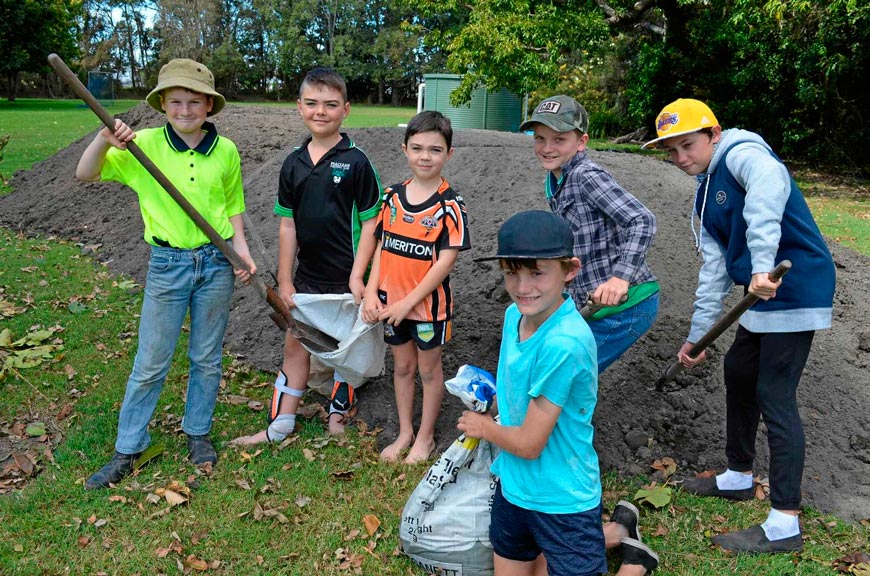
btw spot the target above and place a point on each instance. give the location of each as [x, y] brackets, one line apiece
[708, 487]
[116, 469]
[754, 541]
[637, 553]
[627, 515]
[201, 450]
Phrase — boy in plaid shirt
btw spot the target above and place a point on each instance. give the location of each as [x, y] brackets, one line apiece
[612, 229]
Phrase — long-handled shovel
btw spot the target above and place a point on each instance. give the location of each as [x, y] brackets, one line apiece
[311, 337]
[719, 327]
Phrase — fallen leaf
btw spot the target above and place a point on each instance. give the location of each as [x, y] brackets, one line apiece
[196, 563]
[656, 496]
[309, 454]
[372, 523]
[36, 429]
[666, 465]
[256, 405]
[70, 372]
[163, 552]
[100, 523]
[118, 498]
[759, 492]
[84, 540]
[76, 307]
[174, 498]
[352, 534]
[23, 462]
[149, 454]
[661, 530]
[243, 484]
[65, 411]
[236, 399]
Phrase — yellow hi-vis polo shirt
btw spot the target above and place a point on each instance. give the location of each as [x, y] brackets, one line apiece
[208, 176]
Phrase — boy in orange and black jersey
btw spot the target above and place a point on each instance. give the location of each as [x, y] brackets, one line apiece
[421, 229]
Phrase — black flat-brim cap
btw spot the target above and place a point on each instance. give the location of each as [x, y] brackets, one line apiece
[533, 235]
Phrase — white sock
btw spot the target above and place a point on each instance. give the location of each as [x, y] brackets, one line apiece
[281, 427]
[780, 525]
[733, 480]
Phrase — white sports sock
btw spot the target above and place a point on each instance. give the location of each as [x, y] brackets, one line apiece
[780, 525]
[281, 427]
[733, 480]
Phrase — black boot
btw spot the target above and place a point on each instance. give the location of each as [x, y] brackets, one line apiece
[201, 449]
[120, 466]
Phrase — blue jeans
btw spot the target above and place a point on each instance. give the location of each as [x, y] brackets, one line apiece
[199, 280]
[615, 334]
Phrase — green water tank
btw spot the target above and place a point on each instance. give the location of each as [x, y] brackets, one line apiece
[499, 110]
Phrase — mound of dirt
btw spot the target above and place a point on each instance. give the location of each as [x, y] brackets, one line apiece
[497, 175]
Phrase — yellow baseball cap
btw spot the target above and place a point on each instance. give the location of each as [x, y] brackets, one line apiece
[682, 116]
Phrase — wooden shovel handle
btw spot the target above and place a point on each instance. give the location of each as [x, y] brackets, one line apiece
[721, 325]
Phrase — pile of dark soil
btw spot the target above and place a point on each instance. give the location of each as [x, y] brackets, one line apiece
[497, 175]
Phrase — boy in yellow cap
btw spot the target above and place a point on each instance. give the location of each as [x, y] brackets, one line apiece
[186, 272]
[752, 216]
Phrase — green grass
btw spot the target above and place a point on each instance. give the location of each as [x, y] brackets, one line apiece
[843, 220]
[39, 128]
[361, 115]
[322, 487]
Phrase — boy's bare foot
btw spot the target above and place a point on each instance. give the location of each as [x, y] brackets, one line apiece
[257, 438]
[336, 423]
[420, 451]
[392, 452]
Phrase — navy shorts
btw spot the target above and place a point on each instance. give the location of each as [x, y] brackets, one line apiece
[573, 544]
[427, 335]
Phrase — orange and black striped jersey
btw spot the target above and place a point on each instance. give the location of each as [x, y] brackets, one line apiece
[411, 238]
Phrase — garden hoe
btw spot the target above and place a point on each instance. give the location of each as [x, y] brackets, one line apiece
[719, 327]
[311, 337]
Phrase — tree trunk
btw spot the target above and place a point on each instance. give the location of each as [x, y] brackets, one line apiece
[381, 90]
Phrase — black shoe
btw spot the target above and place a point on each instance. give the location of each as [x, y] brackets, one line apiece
[201, 450]
[343, 398]
[626, 515]
[120, 466]
[635, 552]
[707, 487]
[754, 541]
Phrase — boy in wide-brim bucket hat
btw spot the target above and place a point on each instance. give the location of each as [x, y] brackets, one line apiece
[186, 272]
[190, 75]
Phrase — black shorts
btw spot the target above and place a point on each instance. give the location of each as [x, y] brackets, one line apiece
[305, 287]
[427, 335]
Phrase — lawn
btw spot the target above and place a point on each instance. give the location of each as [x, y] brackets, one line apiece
[315, 504]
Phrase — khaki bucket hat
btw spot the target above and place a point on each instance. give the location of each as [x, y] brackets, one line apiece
[189, 74]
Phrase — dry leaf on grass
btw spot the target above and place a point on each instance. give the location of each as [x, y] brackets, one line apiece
[372, 523]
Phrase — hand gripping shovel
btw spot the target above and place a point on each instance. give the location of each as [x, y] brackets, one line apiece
[719, 327]
[314, 339]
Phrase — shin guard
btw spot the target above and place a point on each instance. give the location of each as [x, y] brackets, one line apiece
[280, 425]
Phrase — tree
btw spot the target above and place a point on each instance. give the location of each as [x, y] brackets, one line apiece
[29, 31]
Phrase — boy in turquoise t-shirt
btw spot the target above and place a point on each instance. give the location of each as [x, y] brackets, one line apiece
[548, 499]
[186, 271]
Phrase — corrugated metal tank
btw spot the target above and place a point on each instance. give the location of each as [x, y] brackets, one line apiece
[500, 110]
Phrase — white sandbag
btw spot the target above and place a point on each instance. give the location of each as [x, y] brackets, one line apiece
[445, 523]
[361, 347]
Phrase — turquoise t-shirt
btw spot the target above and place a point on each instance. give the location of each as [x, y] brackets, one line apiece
[559, 362]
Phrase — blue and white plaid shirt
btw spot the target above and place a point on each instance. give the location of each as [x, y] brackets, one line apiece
[612, 229]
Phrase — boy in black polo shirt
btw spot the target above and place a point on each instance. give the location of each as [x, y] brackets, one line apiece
[328, 201]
